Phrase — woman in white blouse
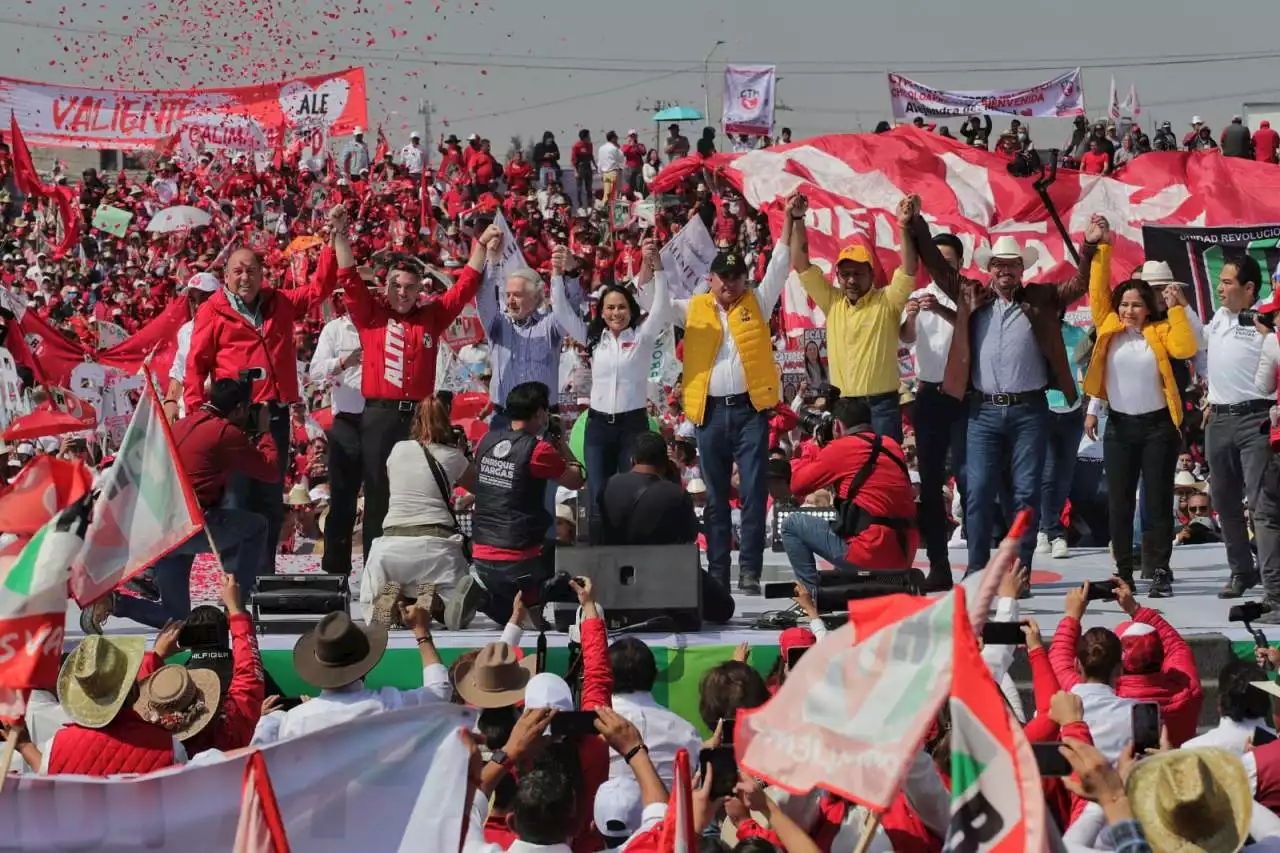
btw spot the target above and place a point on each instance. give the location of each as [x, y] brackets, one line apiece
[1130, 369]
[419, 553]
[621, 353]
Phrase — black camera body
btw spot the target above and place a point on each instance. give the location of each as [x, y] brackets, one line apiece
[1249, 317]
[818, 423]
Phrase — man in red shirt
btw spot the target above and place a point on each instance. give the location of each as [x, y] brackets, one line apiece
[583, 157]
[485, 168]
[213, 443]
[398, 338]
[877, 508]
[1265, 143]
[1095, 161]
[519, 174]
[633, 152]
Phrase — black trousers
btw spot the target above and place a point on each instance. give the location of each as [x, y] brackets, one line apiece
[346, 470]
[607, 450]
[503, 579]
[940, 421]
[380, 429]
[1145, 445]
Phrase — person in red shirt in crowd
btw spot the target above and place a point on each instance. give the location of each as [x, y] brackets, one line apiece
[247, 326]
[485, 168]
[451, 162]
[519, 174]
[398, 338]
[1265, 143]
[1095, 161]
[215, 442]
[633, 153]
[1157, 663]
[874, 498]
[471, 152]
[242, 691]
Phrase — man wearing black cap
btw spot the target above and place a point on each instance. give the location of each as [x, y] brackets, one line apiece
[730, 384]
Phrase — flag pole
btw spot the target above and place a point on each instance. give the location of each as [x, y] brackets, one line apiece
[6, 758]
[870, 824]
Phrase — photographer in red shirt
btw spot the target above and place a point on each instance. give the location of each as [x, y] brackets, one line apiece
[868, 476]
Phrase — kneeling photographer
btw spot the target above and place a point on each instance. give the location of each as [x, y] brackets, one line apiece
[875, 526]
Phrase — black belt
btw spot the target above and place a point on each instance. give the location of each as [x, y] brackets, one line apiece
[353, 417]
[615, 417]
[407, 407]
[1036, 396]
[1248, 407]
[928, 386]
[871, 398]
[731, 400]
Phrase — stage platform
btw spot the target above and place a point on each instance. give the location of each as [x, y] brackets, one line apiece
[1199, 571]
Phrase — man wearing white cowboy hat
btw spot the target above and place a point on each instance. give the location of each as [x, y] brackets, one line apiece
[1008, 349]
[336, 656]
[1236, 443]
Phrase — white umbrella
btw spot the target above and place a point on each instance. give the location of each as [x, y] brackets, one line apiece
[178, 218]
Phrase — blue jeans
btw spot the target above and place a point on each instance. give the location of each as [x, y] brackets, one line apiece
[807, 536]
[729, 434]
[241, 539]
[1017, 431]
[265, 499]
[886, 415]
[1063, 442]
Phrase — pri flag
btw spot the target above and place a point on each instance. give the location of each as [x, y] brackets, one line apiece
[851, 716]
[145, 508]
[46, 486]
[997, 804]
[748, 99]
[33, 602]
[1131, 105]
[676, 833]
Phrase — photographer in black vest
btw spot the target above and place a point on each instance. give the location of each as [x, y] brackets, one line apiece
[509, 527]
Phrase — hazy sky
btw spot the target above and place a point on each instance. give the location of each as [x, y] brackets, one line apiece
[507, 67]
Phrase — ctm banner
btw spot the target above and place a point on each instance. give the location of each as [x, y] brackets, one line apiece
[54, 114]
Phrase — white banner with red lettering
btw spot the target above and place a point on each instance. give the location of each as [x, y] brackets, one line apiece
[748, 99]
[854, 183]
[1061, 97]
[54, 114]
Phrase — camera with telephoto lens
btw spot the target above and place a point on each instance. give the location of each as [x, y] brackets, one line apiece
[817, 423]
[1249, 317]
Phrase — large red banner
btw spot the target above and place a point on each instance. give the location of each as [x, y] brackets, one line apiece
[854, 183]
[53, 114]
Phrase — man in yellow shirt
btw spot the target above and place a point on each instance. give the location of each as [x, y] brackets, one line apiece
[862, 320]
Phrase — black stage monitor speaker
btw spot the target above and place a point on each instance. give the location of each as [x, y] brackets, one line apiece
[638, 583]
[294, 603]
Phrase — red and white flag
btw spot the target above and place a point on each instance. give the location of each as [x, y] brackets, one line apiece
[260, 829]
[748, 99]
[1131, 104]
[1113, 108]
[676, 833]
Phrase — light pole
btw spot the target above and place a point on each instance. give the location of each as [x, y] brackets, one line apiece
[706, 82]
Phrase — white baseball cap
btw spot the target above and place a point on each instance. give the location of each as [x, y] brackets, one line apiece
[205, 282]
[619, 809]
[473, 136]
[548, 690]
[414, 135]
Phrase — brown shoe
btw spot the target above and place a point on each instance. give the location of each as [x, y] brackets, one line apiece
[386, 607]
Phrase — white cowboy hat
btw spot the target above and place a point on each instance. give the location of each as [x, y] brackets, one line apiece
[1187, 480]
[1006, 246]
[1157, 273]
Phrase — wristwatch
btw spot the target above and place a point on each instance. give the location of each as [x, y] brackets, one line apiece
[499, 756]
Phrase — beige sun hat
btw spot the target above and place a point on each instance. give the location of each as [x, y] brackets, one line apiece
[181, 701]
[96, 678]
[1192, 800]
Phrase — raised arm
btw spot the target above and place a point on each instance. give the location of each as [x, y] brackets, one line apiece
[1100, 306]
[660, 309]
[927, 252]
[910, 259]
[775, 275]
[441, 313]
[565, 316]
[1096, 232]
[815, 284]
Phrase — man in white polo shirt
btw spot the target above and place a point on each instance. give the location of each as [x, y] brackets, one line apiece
[928, 321]
[1235, 436]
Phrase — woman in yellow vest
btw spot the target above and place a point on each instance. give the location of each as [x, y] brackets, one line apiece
[730, 385]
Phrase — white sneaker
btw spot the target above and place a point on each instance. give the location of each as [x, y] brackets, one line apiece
[1059, 549]
[1042, 543]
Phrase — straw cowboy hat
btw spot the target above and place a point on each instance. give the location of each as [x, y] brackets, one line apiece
[1192, 800]
[338, 651]
[179, 700]
[298, 496]
[96, 678]
[495, 677]
[1186, 481]
[1006, 247]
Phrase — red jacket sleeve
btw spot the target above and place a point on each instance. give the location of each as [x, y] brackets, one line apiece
[597, 676]
[322, 283]
[258, 462]
[150, 663]
[440, 313]
[1180, 662]
[242, 706]
[199, 356]
[1062, 652]
[1041, 728]
[830, 464]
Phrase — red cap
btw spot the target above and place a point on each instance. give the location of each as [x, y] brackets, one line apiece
[796, 638]
[1141, 651]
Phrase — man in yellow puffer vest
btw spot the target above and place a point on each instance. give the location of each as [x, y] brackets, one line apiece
[730, 383]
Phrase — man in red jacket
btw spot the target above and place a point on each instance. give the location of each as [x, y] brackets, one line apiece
[398, 337]
[874, 498]
[213, 446]
[248, 326]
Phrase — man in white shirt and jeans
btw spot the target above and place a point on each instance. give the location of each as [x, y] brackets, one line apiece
[1236, 437]
[928, 321]
[336, 365]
